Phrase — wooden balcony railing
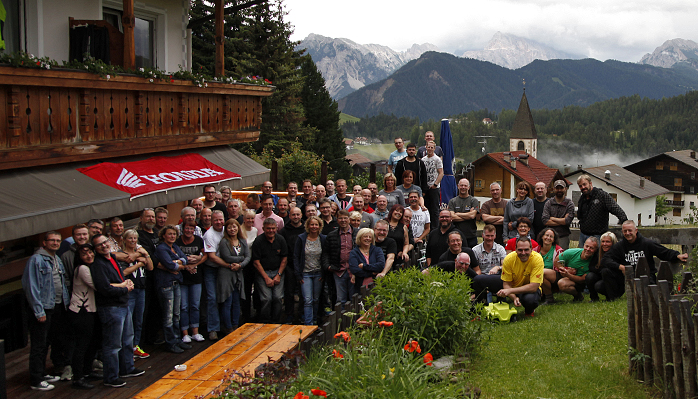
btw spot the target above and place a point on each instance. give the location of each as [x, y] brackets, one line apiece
[675, 203]
[57, 116]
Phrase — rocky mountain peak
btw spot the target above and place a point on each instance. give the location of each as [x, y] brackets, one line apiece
[348, 66]
[514, 52]
[672, 53]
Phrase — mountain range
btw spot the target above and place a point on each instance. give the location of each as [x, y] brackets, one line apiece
[513, 52]
[438, 84]
[348, 66]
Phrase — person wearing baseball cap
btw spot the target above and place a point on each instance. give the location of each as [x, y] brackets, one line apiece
[558, 213]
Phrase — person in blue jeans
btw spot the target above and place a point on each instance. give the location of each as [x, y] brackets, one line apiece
[269, 257]
[192, 246]
[307, 262]
[335, 256]
[139, 262]
[229, 290]
[39, 279]
[168, 277]
[111, 294]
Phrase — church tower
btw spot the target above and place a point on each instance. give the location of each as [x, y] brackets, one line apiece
[523, 134]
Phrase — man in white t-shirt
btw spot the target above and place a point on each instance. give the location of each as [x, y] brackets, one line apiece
[435, 172]
[420, 224]
[212, 238]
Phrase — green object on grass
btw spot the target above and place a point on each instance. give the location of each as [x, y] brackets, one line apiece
[501, 311]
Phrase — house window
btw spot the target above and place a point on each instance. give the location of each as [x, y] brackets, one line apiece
[673, 166]
[614, 196]
[144, 35]
[478, 184]
[677, 182]
[692, 203]
[520, 146]
[660, 165]
[677, 197]
[677, 212]
[11, 26]
[693, 175]
[692, 190]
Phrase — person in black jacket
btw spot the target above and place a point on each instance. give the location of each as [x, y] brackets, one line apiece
[627, 252]
[111, 295]
[290, 233]
[593, 208]
[335, 256]
[411, 162]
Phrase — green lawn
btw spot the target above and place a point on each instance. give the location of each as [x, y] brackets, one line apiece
[347, 118]
[568, 350]
[374, 152]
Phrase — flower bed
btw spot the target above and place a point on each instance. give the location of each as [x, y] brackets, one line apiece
[420, 318]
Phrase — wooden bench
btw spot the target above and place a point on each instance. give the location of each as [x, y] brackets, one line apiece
[243, 350]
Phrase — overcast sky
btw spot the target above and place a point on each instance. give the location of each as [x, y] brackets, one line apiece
[601, 29]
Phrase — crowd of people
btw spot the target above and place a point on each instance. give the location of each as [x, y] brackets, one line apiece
[286, 259]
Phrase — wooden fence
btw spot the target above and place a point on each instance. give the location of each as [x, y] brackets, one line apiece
[662, 337]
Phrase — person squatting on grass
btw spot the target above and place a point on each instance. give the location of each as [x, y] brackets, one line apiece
[521, 278]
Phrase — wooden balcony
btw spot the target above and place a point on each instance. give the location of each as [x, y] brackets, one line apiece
[673, 203]
[57, 116]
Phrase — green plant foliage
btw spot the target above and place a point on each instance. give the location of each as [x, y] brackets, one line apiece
[661, 208]
[295, 164]
[433, 308]
[321, 113]
[365, 178]
[374, 365]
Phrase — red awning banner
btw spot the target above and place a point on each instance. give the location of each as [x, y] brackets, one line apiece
[158, 174]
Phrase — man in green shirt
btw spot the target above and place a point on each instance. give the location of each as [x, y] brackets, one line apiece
[572, 267]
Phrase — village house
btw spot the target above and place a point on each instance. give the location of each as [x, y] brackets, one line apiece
[676, 172]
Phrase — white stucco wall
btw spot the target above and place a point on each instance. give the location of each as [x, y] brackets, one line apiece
[48, 35]
[685, 211]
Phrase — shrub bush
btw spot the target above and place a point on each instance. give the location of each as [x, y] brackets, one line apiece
[433, 308]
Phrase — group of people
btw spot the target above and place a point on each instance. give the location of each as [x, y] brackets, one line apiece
[227, 261]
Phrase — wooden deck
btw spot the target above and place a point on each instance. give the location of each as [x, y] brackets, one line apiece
[159, 366]
[243, 350]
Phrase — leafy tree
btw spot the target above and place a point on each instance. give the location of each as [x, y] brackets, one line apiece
[661, 208]
[321, 114]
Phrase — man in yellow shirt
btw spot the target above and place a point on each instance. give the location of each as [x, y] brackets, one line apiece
[522, 276]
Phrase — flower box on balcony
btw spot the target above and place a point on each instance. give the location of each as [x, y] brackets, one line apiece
[54, 116]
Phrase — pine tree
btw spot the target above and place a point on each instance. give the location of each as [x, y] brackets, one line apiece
[321, 113]
[257, 43]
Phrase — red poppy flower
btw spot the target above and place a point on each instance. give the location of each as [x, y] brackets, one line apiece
[413, 346]
[428, 358]
[336, 354]
[318, 392]
[385, 323]
[38, 63]
[300, 395]
[343, 335]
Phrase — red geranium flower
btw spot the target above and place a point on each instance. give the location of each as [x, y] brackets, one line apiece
[385, 323]
[343, 335]
[318, 392]
[413, 346]
[428, 358]
[336, 354]
[300, 395]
